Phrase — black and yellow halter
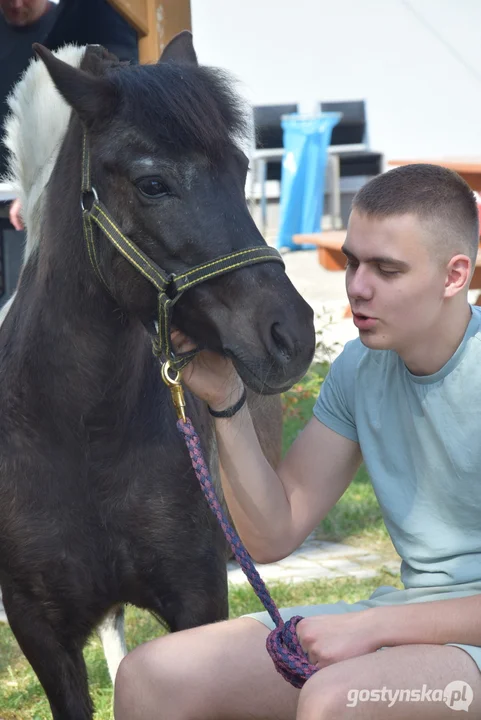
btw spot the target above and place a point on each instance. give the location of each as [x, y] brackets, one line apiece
[169, 286]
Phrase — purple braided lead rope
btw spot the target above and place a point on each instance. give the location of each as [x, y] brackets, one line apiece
[282, 643]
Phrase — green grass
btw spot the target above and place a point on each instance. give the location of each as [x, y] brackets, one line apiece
[356, 520]
[243, 600]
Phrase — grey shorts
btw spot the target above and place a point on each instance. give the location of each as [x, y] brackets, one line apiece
[382, 596]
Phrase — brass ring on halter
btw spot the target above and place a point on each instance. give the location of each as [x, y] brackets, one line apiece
[170, 381]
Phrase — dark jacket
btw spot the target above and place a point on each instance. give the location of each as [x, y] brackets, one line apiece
[83, 22]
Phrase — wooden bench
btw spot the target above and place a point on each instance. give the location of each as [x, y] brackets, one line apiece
[328, 245]
[329, 255]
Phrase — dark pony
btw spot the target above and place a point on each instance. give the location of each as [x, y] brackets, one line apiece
[99, 505]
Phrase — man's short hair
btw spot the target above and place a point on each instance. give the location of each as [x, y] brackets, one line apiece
[438, 197]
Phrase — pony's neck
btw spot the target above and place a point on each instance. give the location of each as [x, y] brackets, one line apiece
[86, 348]
[89, 359]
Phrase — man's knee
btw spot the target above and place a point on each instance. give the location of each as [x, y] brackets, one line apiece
[139, 682]
[127, 690]
[325, 695]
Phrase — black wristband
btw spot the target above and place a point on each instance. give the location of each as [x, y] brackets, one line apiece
[230, 411]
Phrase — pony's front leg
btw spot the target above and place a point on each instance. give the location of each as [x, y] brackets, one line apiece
[112, 636]
[55, 657]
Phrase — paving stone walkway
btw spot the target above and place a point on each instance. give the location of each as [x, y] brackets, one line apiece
[317, 559]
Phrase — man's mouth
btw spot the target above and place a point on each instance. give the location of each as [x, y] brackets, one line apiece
[363, 322]
[361, 316]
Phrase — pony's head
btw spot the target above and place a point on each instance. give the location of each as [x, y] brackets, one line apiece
[166, 161]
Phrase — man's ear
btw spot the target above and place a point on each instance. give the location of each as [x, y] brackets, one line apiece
[458, 275]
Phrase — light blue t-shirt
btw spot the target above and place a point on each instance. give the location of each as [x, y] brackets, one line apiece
[420, 437]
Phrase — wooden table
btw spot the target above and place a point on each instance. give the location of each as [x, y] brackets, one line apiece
[468, 167]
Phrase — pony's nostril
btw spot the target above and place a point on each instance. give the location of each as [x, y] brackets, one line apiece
[282, 343]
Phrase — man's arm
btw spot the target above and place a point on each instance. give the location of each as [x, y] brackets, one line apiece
[274, 511]
[15, 216]
[329, 639]
[457, 620]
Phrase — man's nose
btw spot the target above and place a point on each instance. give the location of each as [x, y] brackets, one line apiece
[358, 284]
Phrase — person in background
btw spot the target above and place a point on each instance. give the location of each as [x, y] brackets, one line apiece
[94, 22]
[82, 22]
[22, 23]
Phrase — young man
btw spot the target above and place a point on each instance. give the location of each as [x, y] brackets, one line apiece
[406, 398]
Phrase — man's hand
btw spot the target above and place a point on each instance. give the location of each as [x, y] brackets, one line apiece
[210, 376]
[328, 639]
[15, 215]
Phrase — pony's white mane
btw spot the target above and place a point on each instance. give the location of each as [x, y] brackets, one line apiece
[34, 128]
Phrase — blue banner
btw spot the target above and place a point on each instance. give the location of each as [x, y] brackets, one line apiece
[306, 142]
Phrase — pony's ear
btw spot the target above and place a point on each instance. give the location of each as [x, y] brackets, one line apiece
[93, 98]
[180, 49]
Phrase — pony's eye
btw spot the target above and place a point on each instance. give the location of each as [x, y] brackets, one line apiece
[152, 187]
